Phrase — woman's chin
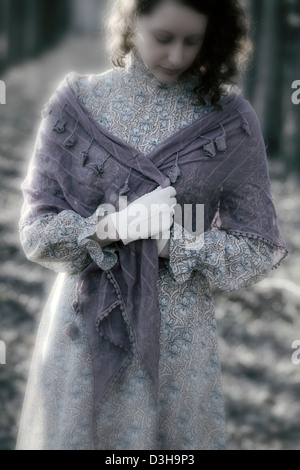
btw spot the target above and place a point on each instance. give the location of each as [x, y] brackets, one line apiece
[166, 78]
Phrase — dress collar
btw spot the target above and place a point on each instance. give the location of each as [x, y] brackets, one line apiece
[139, 75]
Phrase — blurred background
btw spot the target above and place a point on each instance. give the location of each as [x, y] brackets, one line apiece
[42, 41]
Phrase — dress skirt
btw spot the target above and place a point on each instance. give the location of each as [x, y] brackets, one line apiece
[189, 414]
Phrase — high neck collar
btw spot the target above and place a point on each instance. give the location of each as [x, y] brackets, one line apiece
[138, 71]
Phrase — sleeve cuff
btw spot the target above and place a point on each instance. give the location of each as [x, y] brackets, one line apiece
[106, 257]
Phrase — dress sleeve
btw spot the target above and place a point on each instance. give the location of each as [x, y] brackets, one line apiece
[53, 233]
[243, 242]
[229, 262]
[61, 242]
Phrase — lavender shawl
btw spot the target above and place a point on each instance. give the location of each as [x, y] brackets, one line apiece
[219, 161]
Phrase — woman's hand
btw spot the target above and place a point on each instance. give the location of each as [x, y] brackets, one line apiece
[148, 217]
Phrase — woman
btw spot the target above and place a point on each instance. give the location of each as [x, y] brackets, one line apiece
[127, 351]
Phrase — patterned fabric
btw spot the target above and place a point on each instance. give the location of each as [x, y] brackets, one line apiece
[218, 161]
[229, 262]
[133, 105]
[191, 401]
[65, 237]
[58, 407]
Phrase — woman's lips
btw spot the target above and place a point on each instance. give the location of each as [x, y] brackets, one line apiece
[171, 71]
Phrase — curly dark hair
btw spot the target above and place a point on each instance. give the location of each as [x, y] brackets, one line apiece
[224, 52]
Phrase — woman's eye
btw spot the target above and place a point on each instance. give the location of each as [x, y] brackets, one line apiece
[162, 40]
[168, 40]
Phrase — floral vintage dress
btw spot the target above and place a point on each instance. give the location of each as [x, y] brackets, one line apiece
[57, 412]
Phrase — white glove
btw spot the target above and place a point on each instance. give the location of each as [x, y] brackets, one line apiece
[147, 217]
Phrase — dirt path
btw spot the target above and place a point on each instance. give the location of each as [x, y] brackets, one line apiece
[257, 326]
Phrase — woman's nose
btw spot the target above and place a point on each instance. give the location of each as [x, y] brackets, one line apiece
[176, 56]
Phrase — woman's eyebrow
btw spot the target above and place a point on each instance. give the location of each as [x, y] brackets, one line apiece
[190, 36]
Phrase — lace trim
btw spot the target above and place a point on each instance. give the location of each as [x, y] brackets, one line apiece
[61, 242]
[228, 261]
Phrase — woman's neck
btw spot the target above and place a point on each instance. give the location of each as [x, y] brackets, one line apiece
[136, 67]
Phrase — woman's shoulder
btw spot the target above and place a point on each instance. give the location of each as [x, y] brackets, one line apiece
[234, 103]
[98, 84]
[233, 96]
[236, 108]
[83, 86]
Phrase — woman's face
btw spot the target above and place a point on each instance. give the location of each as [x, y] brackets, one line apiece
[169, 39]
